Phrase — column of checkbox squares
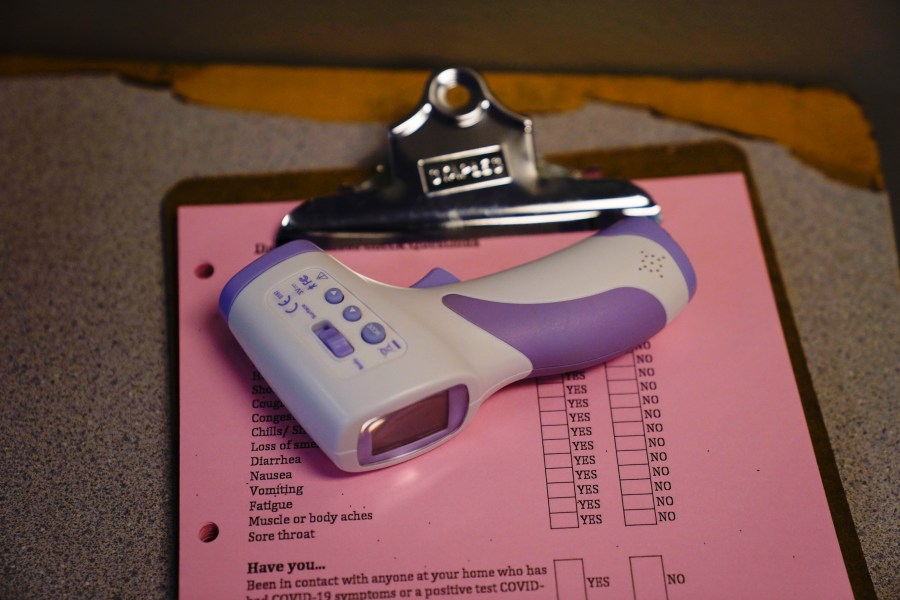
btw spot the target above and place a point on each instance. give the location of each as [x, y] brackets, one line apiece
[557, 453]
[630, 442]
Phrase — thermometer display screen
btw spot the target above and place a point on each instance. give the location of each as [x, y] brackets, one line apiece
[412, 423]
[413, 427]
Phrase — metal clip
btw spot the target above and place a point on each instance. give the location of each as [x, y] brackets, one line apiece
[463, 165]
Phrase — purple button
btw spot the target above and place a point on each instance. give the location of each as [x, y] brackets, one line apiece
[373, 333]
[334, 296]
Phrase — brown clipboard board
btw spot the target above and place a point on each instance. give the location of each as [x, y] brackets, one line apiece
[631, 163]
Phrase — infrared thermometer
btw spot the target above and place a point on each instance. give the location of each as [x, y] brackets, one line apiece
[379, 374]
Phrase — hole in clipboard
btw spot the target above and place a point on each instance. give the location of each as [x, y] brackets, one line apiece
[208, 532]
[204, 271]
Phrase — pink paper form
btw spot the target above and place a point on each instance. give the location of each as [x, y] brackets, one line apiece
[683, 469]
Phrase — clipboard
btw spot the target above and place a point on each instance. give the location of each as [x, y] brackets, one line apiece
[264, 567]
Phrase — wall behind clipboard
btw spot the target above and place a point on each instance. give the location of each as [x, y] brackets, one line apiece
[853, 48]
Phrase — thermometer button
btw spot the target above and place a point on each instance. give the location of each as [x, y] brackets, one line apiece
[334, 296]
[352, 313]
[373, 333]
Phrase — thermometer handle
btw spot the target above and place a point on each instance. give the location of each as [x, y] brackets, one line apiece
[585, 304]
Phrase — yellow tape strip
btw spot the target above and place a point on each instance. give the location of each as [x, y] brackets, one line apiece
[824, 128]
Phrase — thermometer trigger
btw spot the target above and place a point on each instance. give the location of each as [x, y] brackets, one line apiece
[436, 278]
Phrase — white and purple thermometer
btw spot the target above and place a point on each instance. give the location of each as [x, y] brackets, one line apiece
[379, 374]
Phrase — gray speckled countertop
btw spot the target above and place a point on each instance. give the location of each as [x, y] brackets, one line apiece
[87, 505]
